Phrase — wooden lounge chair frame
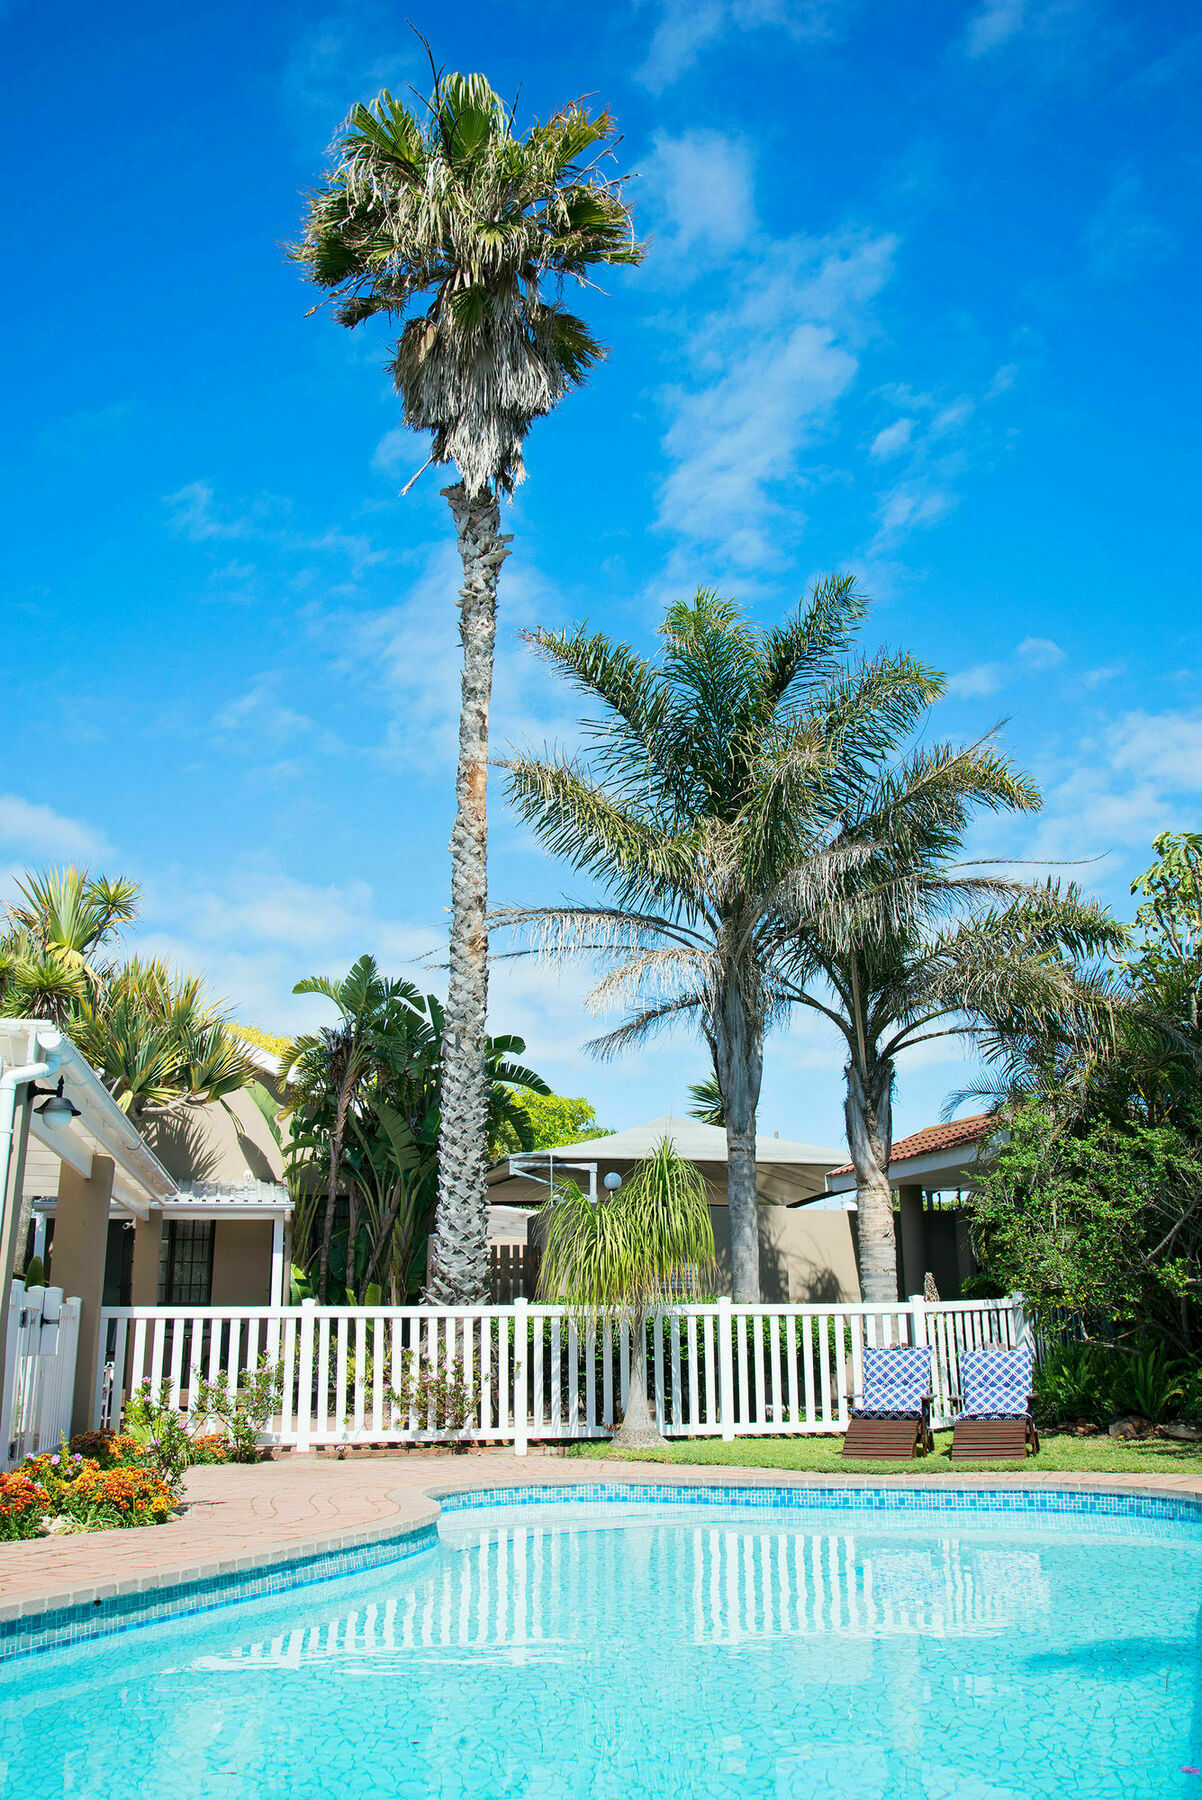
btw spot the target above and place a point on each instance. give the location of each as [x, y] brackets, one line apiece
[991, 1439]
[890, 1440]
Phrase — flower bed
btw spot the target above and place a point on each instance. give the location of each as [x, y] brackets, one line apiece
[22, 1506]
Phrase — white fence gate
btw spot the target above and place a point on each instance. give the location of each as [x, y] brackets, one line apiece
[530, 1372]
[41, 1341]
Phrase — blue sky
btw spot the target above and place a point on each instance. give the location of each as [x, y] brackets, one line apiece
[921, 301]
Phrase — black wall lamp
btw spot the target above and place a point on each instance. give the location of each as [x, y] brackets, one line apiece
[56, 1110]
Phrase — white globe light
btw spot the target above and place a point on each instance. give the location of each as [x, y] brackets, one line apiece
[613, 1181]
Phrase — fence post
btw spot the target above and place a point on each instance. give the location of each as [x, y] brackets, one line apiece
[521, 1402]
[304, 1377]
[918, 1319]
[726, 1370]
[12, 1329]
[1021, 1326]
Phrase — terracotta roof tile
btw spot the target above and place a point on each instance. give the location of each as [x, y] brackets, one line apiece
[935, 1137]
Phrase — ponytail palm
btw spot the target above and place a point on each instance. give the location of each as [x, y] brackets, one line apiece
[466, 230]
[711, 800]
[629, 1253]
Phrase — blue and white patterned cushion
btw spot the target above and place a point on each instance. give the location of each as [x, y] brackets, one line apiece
[995, 1383]
[896, 1382]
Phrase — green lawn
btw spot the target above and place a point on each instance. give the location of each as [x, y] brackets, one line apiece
[821, 1456]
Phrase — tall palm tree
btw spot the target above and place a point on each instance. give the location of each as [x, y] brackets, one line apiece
[912, 946]
[466, 229]
[712, 798]
[638, 1249]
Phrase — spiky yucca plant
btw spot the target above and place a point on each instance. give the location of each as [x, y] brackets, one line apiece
[466, 229]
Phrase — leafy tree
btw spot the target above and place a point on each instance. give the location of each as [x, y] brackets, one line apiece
[370, 1121]
[331, 1068]
[711, 794]
[630, 1253]
[1102, 1220]
[549, 1120]
[466, 230]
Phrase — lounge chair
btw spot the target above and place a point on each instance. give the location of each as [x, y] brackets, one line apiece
[891, 1420]
[995, 1405]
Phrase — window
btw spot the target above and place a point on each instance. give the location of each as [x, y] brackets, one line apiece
[186, 1262]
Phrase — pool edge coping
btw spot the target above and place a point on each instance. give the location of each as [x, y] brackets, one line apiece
[420, 1508]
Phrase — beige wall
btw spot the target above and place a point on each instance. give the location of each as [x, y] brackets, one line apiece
[242, 1262]
[81, 1229]
[806, 1257]
[218, 1143]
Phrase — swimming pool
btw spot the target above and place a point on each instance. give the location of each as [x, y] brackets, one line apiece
[712, 1645]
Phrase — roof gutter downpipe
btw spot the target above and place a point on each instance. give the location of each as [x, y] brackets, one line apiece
[46, 1039]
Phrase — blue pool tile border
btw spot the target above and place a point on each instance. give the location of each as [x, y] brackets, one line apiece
[1089, 1503]
[32, 1633]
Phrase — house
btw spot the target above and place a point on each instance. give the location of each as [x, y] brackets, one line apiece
[805, 1254]
[198, 1212]
[930, 1170]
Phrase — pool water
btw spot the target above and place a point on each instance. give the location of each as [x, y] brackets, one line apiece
[637, 1652]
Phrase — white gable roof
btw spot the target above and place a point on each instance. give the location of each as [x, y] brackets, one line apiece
[693, 1140]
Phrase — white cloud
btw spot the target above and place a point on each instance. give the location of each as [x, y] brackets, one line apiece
[779, 353]
[1034, 656]
[1123, 238]
[195, 515]
[1164, 747]
[994, 24]
[345, 57]
[1040, 653]
[982, 678]
[909, 507]
[29, 829]
[686, 27]
[700, 185]
[412, 652]
[892, 439]
[1141, 775]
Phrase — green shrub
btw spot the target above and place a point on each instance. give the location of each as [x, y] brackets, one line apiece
[242, 1412]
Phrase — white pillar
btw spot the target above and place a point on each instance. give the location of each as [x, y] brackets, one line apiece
[277, 1261]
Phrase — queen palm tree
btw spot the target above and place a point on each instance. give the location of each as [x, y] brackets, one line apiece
[912, 945]
[629, 1253]
[466, 230]
[712, 798]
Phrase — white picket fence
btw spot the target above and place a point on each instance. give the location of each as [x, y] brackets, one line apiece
[41, 1342]
[536, 1373]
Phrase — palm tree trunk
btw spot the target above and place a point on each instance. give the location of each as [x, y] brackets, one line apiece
[327, 1227]
[638, 1430]
[458, 1271]
[352, 1232]
[739, 1060]
[868, 1111]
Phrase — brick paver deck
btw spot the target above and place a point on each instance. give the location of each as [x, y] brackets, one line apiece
[238, 1517]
